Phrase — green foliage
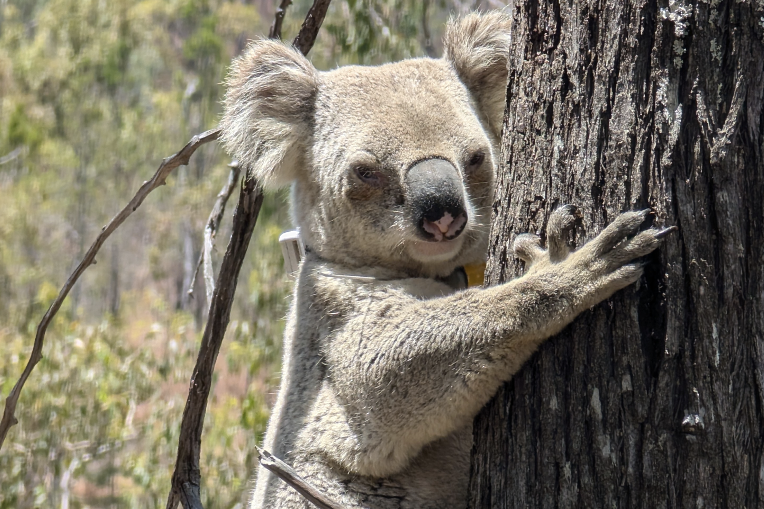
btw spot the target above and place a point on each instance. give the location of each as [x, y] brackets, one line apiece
[92, 96]
[204, 44]
[371, 31]
[21, 131]
[109, 413]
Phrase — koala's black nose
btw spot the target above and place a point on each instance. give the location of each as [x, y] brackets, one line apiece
[436, 194]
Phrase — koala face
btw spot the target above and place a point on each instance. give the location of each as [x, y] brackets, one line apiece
[391, 166]
[400, 172]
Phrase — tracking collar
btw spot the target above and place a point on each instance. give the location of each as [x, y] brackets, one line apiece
[293, 249]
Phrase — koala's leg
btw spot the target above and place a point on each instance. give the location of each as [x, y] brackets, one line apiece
[408, 371]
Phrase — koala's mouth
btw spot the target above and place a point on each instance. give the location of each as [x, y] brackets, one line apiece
[446, 228]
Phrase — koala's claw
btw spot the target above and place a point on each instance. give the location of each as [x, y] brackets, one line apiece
[607, 263]
[626, 225]
[528, 248]
[666, 231]
[641, 244]
[561, 222]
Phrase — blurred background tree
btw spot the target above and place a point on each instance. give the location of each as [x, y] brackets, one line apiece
[92, 96]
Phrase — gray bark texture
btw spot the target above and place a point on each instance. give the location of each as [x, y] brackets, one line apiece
[655, 398]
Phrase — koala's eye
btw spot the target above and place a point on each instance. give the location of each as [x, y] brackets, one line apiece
[476, 160]
[369, 176]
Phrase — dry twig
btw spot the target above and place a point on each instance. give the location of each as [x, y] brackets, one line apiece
[186, 479]
[309, 29]
[212, 227]
[168, 164]
[210, 231]
[275, 32]
[293, 479]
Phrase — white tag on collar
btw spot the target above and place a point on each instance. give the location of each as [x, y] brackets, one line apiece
[293, 251]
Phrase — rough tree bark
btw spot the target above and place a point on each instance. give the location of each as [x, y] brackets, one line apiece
[655, 398]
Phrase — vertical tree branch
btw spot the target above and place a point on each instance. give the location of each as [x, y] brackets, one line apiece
[275, 31]
[186, 479]
[210, 231]
[309, 30]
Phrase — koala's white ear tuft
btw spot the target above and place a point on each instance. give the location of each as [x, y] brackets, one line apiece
[267, 111]
[477, 46]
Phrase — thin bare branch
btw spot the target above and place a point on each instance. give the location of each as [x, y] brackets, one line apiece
[192, 285]
[309, 30]
[209, 275]
[313, 21]
[187, 476]
[211, 229]
[293, 479]
[159, 178]
[275, 31]
[205, 257]
[213, 224]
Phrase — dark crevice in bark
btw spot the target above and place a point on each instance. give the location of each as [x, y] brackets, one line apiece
[536, 36]
[598, 183]
[728, 63]
[652, 316]
[644, 199]
[566, 86]
[557, 24]
[717, 236]
[644, 48]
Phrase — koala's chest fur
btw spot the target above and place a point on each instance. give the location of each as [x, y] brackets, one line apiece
[321, 426]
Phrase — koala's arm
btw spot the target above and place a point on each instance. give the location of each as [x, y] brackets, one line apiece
[409, 371]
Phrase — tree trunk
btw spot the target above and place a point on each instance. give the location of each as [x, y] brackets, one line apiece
[654, 398]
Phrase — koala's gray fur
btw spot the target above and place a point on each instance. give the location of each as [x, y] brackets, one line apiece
[385, 365]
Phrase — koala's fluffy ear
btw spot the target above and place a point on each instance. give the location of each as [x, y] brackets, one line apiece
[267, 113]
[477, 46]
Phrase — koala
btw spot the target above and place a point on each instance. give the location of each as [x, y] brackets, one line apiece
[387, 357]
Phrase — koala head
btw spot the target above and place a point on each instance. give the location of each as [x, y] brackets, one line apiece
[390, 166]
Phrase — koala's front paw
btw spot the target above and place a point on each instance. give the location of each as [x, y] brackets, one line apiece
[602, 266]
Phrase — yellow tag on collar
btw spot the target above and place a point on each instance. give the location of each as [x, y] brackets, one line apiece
[475, 274]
